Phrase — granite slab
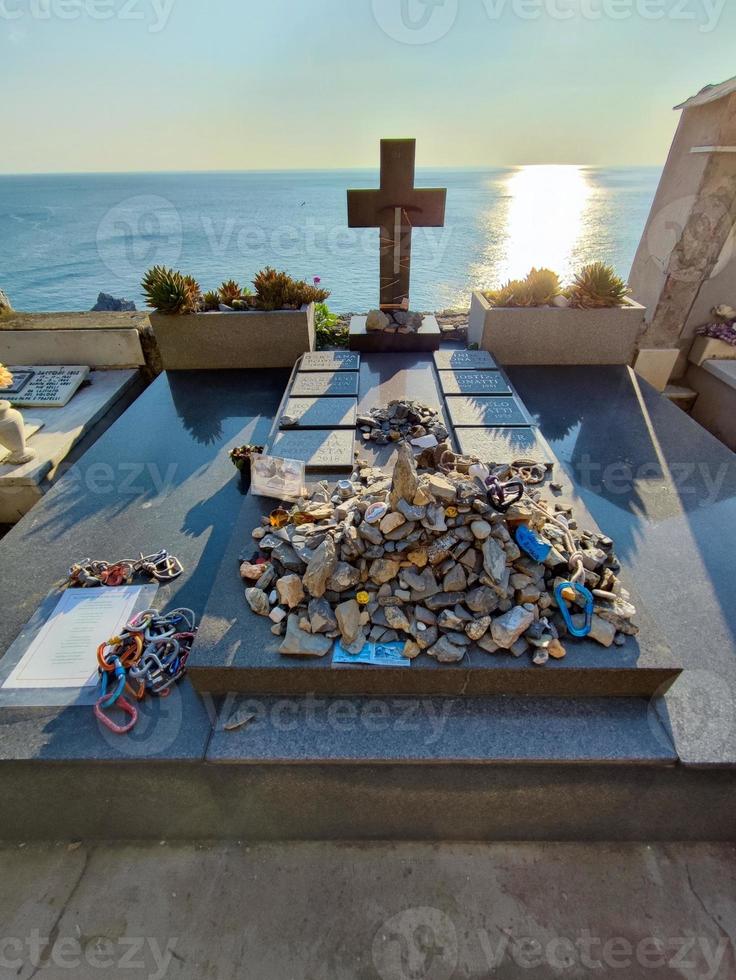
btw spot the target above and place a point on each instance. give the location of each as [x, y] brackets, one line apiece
[140, 487]
[330, 360]
[474, 383]
[464, 360]
[325, 384]
[504, 445]
[487, 411]
[46, 387]
[321, 413]
[328, 450]
[665, 489]
[426, 339]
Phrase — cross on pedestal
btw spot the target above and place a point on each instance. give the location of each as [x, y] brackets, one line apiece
[396, 208]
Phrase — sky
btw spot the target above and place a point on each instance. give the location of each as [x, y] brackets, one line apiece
[146, 85]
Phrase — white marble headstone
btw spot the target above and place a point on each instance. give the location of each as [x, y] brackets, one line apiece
[46, 387]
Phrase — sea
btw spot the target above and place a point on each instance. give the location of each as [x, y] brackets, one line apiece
[66, 238]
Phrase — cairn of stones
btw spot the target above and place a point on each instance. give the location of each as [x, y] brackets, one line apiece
[403, 421]
[422, 558]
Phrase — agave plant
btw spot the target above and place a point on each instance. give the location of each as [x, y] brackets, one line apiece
[211, 300]
[168, 291]
[229, 291]
[596, 287]
[539, 288]
[277, 291]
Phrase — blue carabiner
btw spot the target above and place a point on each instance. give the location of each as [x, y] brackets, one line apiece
[108, 702]
[588, 603]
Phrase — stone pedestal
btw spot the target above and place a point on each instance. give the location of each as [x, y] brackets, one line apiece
[426, 339]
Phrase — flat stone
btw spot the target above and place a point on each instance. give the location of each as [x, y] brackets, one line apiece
[330, 360]
[441, 488]
[321, 413]
[446, 652]
[320, 568]
[383, 570]
[320, 449]
[298, 643]
[325, 383]
[321, 617]
[474, 383]
[487, 411]
[392, 522]
[507, 629]
[503, 445]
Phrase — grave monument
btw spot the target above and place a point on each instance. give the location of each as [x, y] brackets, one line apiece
[396, 208]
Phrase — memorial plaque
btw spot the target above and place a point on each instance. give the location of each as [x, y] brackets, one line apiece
[474, 383]
[464, 360]
[326, 383]
[320, 449]
[47, 387]
[321, 413]
[330, 360]
[503, 445]
[491, 411]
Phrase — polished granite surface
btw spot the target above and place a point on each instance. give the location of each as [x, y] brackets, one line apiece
[160, 477]
[665, 489]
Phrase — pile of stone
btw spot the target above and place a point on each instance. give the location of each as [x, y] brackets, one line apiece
[394, 321]
[424, 559]
[403, 420]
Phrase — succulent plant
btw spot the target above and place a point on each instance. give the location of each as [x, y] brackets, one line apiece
[597, 286]
[211, 300]
[539, 288]
[229, 291]
[168, 291]
[278, 291]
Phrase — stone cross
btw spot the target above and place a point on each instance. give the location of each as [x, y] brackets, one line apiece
[396, 208]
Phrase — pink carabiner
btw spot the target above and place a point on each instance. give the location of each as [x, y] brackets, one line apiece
[125, 706]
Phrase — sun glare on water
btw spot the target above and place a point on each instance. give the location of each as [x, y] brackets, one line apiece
[545, 221]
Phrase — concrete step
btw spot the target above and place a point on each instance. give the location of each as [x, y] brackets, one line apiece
[680, 395]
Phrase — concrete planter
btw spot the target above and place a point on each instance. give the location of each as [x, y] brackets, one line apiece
[216, 341]
[711, 349]
[547, 335]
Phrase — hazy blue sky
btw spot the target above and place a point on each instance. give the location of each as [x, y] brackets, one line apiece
[240, 84]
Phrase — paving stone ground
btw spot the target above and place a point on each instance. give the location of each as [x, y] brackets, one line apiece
[320, 911]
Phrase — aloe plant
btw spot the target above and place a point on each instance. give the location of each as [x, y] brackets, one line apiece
[168, 291]
[597, 286]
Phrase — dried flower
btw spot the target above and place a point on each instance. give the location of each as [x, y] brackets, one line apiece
[317, 280]
[6, 378]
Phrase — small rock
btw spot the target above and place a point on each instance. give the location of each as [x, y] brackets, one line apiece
[441, 488]
[391, 522]
[507, 629]
[251, 573]
[404, 481]
[478, 628]
[320, 568]
[348, 620]
[321, 617]
[411, 650]
[481, 530]
[344, 577]
[277, 615]
[297, 643]
[258, 601]
[556, 650]
[383, 570]
[455, 580]
[600, 631]
[376, 321]
[290, 590]
[396, 618]
[446, 652]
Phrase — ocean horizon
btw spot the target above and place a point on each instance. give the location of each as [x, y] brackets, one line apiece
[64, 238]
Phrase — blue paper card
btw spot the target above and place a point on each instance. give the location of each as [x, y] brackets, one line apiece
[372, 654]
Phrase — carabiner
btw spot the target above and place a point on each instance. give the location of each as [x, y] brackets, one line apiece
[588, 603]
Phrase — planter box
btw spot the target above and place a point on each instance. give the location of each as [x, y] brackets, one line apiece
[234, 340]
[711, 349]
[547, 335]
